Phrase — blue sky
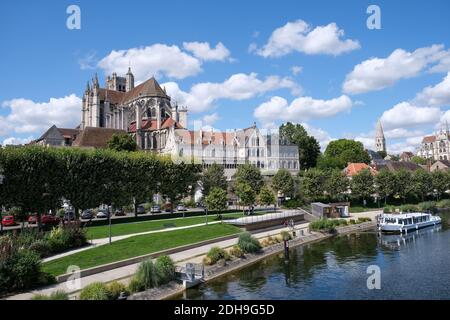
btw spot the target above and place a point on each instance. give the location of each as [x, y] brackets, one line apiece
[347, 76]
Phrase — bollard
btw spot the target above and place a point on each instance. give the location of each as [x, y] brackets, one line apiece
[286, 250]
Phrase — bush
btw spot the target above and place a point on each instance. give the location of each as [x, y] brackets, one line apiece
[56, 295]
[146, 275]
[42, 247]
[388, 209]
[408, 208]
[165, 270]
[135, 285]
[248, 244]
[292, 203]
[115, 288]
[285, 235]
[236, 251]
[214, 255]
[443, 204]
[352, 221]
[427, 206]
[95, 291]
[363, 219]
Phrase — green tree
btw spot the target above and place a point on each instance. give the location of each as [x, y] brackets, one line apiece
[308, 147]
[440, 182]
[385, 183]
[336, 184]
[419, 160]
[122, 142]
[362, 184]
[283, 182]
[266, 196]
[179, 179]
[340, 152]
[382, 154]
[216, 200]
[246, 193]
[248, 173]
[403, 183]
[422, 183]
[213, 177]
[313, 183]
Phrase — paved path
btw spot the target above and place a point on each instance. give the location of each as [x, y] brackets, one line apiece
[103, 241]
[127, 271]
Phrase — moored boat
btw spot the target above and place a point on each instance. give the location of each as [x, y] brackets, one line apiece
[404, 222]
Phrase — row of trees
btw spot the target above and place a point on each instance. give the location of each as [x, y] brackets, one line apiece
[36, 179]
[316, 184]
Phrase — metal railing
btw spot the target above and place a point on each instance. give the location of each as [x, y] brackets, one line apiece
[266, 217]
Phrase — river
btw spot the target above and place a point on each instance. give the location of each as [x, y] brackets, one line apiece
[415, 266]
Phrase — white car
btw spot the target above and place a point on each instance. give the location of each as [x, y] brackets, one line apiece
[181, 207]
[102, 214]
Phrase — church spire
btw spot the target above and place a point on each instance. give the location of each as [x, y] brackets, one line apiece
[380, 141]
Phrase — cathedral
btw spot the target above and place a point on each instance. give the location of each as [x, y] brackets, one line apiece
[147, 113]
[437, 146]
[380, 141]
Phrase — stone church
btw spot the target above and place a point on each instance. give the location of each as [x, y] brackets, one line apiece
[147, 113]
[437, 146]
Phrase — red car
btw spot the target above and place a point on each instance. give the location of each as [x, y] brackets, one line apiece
[45, 219]
[8, 221]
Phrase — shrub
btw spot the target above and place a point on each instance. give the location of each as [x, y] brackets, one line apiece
[408, 208]
[387, 209]
[352, 221]
[363, 219]
[95, 291]
[285, 235]
[236, 251]
[41, 247]
[115, 288]
[135, 285]
[427, 206]
[248, 244]
[214, 255]
[443, 204]
[292, 203]
[165, 270]
[146, 274]
[55, 295]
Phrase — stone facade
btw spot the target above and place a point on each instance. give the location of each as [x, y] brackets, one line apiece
[436, 147]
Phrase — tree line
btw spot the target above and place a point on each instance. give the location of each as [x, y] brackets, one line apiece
[36, 179]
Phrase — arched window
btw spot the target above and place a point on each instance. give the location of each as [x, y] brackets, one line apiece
[153, 112]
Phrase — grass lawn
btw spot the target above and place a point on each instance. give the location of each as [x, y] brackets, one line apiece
[120, 229]
[138, 245]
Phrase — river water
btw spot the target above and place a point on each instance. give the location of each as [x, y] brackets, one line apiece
[413, 266]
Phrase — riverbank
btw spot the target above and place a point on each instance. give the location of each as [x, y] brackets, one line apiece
[175, 289]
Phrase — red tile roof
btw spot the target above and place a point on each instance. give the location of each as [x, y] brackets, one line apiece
[428, 139]
[354, 168]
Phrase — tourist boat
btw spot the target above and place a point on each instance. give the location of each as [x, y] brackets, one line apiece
[404, 222]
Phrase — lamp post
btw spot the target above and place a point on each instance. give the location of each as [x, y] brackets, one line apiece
[109, 218]
[206, 215]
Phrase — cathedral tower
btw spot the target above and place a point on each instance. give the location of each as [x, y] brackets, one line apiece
[380, 141]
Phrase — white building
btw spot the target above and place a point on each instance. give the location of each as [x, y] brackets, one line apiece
[436, 147]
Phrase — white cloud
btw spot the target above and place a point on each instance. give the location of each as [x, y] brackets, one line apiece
[203, 51]
[239, 86]
[155, 60]
[16, 141]
[405, 114]
[436, 96]
[299, 36]
[321, 135]
[89, 61]
[379, 73]
[27, 116]
[210, 119]
[399, 133]
[296, 70]
[300, 109]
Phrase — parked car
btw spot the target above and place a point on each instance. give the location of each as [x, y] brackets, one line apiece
[102, 214]
[8, 221]
[119, 212]
[155, 209]
[69, 216]
[181, 207]
[46, 219]
[199, 204]
[140, 209]
[87, 214]
[168, 207]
